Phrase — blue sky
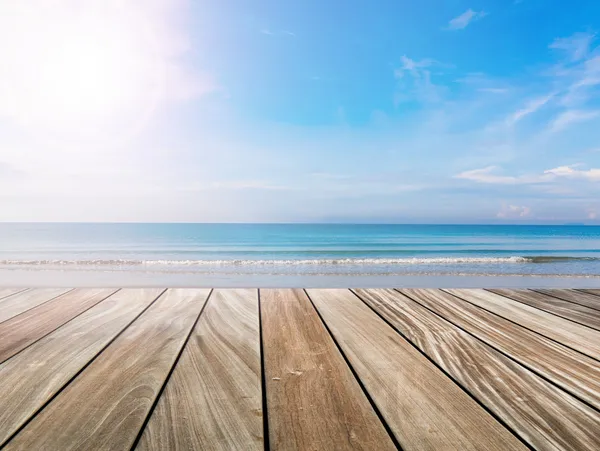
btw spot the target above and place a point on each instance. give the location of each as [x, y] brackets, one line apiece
[266, 111]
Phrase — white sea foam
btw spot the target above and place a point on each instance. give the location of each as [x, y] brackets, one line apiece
[267, 262]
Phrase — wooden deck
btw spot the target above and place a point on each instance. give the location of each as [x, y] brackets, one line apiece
[316, 369]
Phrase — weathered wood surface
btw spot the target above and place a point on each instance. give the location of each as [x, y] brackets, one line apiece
[314, 401]
[580, 338]
[213, 399]
[588, 298]
[34, 376]
[571, 370]
[540, 413]
[22, 330]
[590, 291]
[20, 302]
[422, 406]
[565, 309]
[86, 373]
[5, 292]
[106, 405]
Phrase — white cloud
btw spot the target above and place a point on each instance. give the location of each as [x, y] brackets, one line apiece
[592, 174]
[514, 212]
[460, 22]
[583, 77]
[417, 85]
[530, 107]
[570, 117]
[486, 175]
[576, 47]
[414, 66]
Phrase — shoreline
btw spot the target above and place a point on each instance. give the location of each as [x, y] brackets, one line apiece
[42, 278]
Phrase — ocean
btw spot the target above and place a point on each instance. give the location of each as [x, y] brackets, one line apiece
[298, 254]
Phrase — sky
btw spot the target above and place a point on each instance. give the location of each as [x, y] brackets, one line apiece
[389, 111]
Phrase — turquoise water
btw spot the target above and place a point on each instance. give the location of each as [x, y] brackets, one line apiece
[276, 250]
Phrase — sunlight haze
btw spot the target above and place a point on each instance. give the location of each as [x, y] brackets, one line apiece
[227, 111]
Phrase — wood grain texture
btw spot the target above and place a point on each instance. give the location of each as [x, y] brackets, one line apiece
[22, 330]
[313, 399]
[424, 408]
[5, 292]
[569, 369]
[580, 338]
[20, 302]
[106, 405]
[590, 291]
[34, 376]
[213, 400]
[540, 413]
[581, 297]
[565, 309]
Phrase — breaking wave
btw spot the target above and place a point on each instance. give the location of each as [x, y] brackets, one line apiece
[299, 262]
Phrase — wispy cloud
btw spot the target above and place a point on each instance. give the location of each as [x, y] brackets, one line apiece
[486, 175]
[576, 46]
[269, 32]
[592, 174]
[414, 81]
[530, 107]
[462, 21]
[489, 175]
[582, 77]
[567, 118]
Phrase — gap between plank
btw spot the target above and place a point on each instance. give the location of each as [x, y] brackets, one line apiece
[31, 308]
[448, 375]
[544, 310]
[355, 374]
[521, 325]
[61, 325]
[577, 290]
[15, 293]
[582, 290]
[81, 370]
[263, 380]
[166, 381]
[491, 345]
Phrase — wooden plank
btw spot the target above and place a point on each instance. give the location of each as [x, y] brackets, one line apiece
[106, 405]
[213, 399]
[20, 302]
[5, 292]
[580, 338]
[571, 370]
[424, 409]
[34, 376]
[313, 399]
[540, 413]
[22, 330]
[592, 291]
[565, 309]
[587, 298]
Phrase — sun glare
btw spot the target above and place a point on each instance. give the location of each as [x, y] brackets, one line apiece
[87, 75]
[89, 66]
